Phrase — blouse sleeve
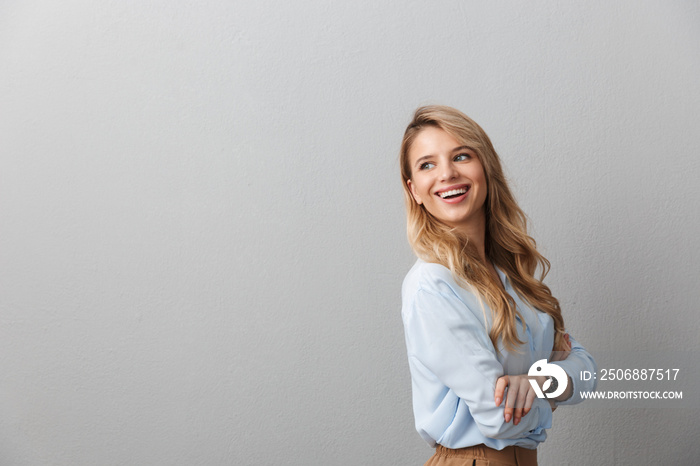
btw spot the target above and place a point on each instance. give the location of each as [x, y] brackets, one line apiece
[578, 360]
[447, 341]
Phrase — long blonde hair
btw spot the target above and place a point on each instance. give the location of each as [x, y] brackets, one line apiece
[508, 245]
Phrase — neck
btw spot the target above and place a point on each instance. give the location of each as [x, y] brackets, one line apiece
[476, 232]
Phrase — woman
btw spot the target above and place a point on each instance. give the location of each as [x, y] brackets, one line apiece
[475, 316]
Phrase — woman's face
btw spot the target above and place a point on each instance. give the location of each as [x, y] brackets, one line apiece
[447, 178]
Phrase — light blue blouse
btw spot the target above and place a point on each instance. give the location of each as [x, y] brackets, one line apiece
[454, 366]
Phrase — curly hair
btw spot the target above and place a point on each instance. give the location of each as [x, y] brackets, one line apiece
[507, 243]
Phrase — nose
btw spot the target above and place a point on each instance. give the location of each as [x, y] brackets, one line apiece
[448, 171]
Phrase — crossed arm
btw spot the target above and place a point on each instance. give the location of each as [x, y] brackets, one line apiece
[521, 395]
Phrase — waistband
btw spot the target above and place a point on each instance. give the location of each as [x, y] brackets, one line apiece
[509, 455]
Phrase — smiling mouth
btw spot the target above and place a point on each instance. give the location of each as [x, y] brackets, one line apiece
[452, 193]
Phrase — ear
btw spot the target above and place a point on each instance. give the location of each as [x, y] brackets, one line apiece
[417, 198]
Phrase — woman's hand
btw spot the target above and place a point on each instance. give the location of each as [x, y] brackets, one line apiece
[520, 393]
[519, 398]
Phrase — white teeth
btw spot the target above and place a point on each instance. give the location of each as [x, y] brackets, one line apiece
[452, 192]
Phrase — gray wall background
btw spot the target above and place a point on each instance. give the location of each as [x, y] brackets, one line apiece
[202, 238]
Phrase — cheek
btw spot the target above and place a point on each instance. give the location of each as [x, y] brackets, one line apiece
[484, 187]
[480, 175]
[418, 183]
[414, 189]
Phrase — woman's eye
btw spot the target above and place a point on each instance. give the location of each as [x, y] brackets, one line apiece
[426, 165]
[462, 157]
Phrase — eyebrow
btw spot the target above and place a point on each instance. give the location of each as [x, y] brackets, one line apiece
[456, 149]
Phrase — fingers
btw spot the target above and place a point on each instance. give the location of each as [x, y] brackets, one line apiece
[501, 385]
[510, 402]
[511, 398]
[520, 402]
[518, 399]
[531, 395]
